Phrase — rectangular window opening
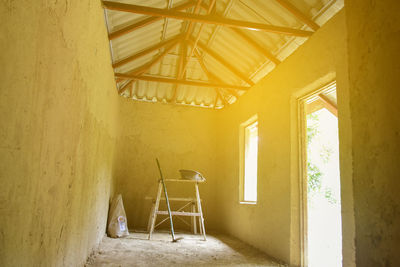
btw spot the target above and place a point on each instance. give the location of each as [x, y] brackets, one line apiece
[249, 154]
[321, 200]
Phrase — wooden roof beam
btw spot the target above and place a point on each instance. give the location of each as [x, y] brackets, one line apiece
[124, 87]
[146, 22]
[146, 51]
[182, 62]
[221, 60]
[211, 76]
[328, 104]
[225, 13]
[298, 14]
[222, 97]
[191, 23]
[258, 47]
[146, 67]
[216, 100]
[180, 82]
[209, 9]
[157, 12]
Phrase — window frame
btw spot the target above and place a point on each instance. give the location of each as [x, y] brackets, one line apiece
[242, 150]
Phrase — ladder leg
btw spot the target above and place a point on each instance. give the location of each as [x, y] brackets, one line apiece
[200, 211]
[201, 229]
[153, 203]
[194, 219]
[155, 210]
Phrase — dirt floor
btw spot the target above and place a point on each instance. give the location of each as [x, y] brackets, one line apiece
[137, 250]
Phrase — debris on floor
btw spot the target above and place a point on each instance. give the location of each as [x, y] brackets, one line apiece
[137, 250]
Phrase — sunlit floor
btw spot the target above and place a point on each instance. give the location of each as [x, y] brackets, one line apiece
[218, 250]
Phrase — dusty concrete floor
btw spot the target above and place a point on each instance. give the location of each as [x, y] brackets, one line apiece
[218, 250]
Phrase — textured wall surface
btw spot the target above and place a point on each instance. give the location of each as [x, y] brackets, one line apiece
[273, 224]
[181, 138]
[64, 136]
[57, 138]
[374, 74]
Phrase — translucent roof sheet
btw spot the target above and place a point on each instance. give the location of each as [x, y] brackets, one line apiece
[223, 55]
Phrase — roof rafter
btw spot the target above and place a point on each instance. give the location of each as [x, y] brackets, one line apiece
[204, 19]
[328, 104]
[192, 23]
[146, 22]
[180, 72]
[209, 9]
[216, 101]
[259, 48]
[227, 9]
[222, 97]
[183, 60]
[221, 60]
[146, 67]
[146, 51]
[211, 76]
[298, 14]
[176, 81]
[124, 87]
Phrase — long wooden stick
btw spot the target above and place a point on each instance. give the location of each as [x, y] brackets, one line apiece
[167, 202]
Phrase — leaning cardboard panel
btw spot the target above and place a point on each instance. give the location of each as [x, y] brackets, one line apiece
[117, 223]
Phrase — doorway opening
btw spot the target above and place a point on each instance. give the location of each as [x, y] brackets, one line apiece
[322, 221]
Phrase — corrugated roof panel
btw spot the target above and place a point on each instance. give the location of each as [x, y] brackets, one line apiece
[118, 20]
[232, 47]
[221, 71]
[136, 41]
[262, 12]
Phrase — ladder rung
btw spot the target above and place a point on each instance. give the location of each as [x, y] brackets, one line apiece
[173, 199]
[179, 213]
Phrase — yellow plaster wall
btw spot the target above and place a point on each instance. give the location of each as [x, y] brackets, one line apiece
[182, 138]
[374, 78]
[57, 132]
[273, 225]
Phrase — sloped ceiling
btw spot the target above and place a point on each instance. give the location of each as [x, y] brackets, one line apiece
[205, 53]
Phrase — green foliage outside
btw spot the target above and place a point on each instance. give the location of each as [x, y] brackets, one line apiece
[314, 174]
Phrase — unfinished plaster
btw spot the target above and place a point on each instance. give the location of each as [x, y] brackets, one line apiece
[374, 78]
[273, 224]
[68, 142]
[58, 107]
[181, 138]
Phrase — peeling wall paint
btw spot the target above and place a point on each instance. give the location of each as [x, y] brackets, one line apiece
[57, 133]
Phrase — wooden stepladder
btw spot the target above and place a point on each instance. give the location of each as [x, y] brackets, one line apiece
[194, 202]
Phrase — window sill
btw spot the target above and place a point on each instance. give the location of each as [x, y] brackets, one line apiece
[248, 202]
